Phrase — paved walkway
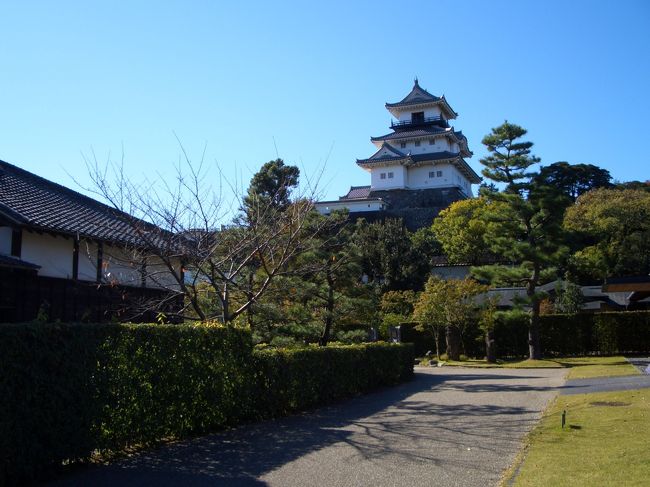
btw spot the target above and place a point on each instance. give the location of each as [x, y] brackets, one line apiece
[641, 363]
[605, 384]
[447, 427]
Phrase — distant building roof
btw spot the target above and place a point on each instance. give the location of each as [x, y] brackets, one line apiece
[357, 192]
[31, 201]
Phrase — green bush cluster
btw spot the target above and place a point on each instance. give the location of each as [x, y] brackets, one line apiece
[70, 390]
[561, 334]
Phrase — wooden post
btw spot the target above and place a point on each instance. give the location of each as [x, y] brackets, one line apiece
[100, 261]
[75, 258]
[16, 242]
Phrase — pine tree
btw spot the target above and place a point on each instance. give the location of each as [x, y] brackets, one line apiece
[526, 228]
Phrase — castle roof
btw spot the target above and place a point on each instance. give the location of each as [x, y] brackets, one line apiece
[453, 158]
[420, 97]
[409, 134]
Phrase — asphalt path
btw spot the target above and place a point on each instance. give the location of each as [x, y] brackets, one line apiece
[605, 384]
[447, 427]
[641, 363]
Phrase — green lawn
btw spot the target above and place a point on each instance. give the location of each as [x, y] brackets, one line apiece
[605, 443]
[579, 367]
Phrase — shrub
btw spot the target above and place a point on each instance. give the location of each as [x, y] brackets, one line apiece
[69, 390]
[72, 389]
[293, 379]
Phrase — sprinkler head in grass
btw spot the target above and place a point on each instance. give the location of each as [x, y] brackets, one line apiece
[563, 418]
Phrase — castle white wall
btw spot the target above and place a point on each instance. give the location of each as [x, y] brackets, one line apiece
[440, 144]
[53, 254]
[5, 240]
[353, 206]
[419, 178]
[428, 112]
[398, 179]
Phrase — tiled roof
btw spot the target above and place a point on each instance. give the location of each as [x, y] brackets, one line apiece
[387, 150]
[420, 132]
[417, 96]
[431, 156]
[357, 192]
[7, 261]
[34, 202]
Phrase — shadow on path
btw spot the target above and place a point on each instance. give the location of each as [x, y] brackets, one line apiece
[374, 425]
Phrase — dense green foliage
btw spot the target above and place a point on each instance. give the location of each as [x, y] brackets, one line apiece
[71, 390]
[614, 226]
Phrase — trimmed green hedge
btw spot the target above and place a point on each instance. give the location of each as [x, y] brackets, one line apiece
[601, 333]
[581, 334]
[294, 379]
[71, 390]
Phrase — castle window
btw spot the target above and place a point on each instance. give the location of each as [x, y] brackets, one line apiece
[417, 143]
[403, 145]
[382, 175]
[432, 174]
[417, 117]
[390, 175]
[439, 174]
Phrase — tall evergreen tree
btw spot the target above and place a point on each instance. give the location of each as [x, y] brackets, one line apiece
[526, 227]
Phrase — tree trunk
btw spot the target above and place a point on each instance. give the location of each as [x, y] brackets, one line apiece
[225, 301]
[534, 344]
[329, 309]
[453, 345]
[436, 337]
[490, 347]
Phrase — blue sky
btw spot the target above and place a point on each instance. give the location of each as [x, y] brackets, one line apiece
[239, 78]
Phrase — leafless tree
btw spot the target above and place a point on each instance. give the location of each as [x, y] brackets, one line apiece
[213, 261]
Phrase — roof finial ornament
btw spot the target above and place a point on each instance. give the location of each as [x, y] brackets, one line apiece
[416, 81]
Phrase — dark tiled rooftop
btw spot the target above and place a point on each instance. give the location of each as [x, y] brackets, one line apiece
[357, 192]
[432, 156]
[417, 95]
[421, 132]
[32, 201]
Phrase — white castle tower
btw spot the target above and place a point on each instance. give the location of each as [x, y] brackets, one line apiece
[419, 167]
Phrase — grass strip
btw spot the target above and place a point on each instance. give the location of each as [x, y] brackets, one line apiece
[604, 443]
[580, 367]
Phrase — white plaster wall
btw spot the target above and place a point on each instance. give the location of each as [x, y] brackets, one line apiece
[159, 276]
[53, 254]
[121, 267]
[5, 240]
[87, 260]
[397, 181]
[356, 206]
[418, 177]
[441, 144]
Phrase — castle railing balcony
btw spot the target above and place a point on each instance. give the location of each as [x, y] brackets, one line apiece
[418, 122]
